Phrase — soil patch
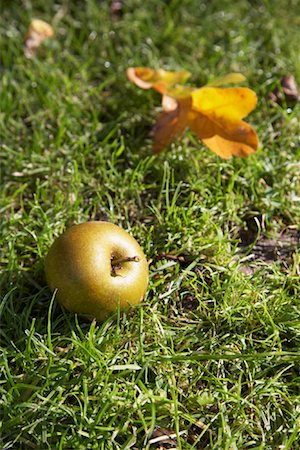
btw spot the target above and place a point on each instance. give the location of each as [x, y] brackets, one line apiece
[268, 250]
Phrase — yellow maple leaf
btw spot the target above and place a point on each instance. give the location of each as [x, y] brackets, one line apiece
[213, 113]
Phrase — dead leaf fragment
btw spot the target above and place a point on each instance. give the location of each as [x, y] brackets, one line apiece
[164, 437]
[288, 91]
[116, 9]
[38, 32]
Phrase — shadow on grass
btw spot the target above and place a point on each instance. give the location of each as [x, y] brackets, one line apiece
[29, 307]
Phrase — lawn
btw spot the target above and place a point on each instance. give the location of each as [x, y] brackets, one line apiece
[211, 358]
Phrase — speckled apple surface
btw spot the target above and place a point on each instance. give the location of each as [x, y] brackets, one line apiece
[79, 266]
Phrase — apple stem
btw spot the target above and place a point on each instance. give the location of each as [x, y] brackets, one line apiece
[117, 262]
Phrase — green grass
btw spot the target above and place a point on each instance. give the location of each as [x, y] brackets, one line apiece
[212, 355]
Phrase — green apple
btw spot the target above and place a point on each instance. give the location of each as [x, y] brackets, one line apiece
[96, 268]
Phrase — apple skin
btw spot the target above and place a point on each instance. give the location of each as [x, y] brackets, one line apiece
[79, 266]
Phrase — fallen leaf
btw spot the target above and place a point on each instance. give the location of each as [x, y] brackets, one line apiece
[116, 9]
[290, 88]
[214, 114]
[37, 33]
[288, 91]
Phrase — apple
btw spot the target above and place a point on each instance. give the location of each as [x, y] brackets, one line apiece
[96, 268]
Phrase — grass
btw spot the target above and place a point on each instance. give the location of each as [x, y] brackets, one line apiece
[212, 356]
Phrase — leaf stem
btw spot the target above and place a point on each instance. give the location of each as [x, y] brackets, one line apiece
[117, 262]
